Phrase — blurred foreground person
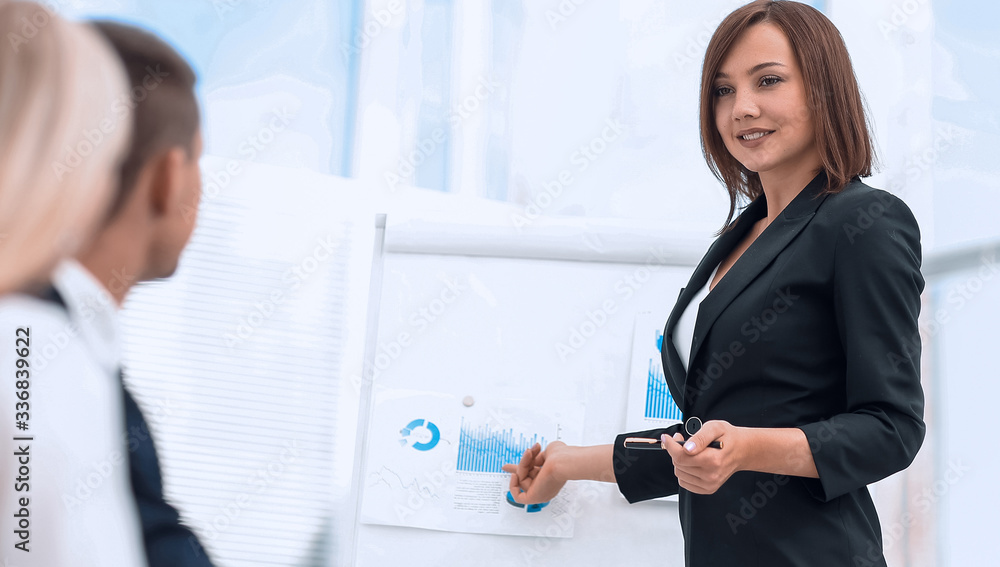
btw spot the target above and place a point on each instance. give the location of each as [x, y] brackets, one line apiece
[61, 141]
[64, 491]
[151, 221]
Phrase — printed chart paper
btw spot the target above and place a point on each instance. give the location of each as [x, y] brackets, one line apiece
[434, 462]
[650, 404]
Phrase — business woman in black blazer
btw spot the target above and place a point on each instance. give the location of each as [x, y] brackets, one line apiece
[804, 358]
[814, 328]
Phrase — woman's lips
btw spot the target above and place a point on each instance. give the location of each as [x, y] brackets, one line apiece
[755, 139]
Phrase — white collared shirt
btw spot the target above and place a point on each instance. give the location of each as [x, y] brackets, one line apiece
[684, 332]
[81, 511]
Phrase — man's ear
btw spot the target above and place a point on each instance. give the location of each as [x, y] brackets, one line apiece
[167, 182]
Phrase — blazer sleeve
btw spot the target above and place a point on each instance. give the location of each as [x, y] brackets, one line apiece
[876, 289]
[644, 474]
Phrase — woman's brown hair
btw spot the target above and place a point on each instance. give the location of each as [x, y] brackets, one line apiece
[832, 93]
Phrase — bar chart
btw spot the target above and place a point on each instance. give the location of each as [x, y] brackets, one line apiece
[484, 450]
[659, 403]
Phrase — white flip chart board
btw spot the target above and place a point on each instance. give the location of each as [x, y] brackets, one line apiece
[519, 293]
[486, 314]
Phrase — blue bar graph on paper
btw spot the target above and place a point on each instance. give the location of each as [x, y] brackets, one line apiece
[481, 449]
[659, 403]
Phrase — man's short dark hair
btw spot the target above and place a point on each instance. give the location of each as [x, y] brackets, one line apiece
[161, 97]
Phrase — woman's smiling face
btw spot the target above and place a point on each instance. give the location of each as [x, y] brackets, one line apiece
[761, 109]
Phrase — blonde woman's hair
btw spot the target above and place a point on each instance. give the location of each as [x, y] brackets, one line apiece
[63, 130]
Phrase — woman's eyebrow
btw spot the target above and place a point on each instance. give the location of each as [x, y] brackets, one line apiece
[754, 69]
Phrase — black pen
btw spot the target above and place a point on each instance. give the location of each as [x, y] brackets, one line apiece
[691, 426]
[647, 443]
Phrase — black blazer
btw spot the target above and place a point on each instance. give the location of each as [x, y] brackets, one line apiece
[814, 327]
[168, 542]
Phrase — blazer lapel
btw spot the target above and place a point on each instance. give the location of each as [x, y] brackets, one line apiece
[673, 370]
[672, 365]
[758, 256]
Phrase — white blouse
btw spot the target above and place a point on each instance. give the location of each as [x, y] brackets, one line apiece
[684, 331]
[79, 496]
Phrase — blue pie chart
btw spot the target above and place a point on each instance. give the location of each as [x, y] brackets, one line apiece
[420, 434]
[530, 508]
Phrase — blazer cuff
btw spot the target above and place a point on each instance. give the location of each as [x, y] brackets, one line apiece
[820, 488]
[643, 474]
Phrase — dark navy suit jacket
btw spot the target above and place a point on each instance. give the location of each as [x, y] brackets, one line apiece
[169, 543]
[814, 327]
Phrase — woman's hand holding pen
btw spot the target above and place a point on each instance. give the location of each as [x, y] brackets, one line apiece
[700, 469]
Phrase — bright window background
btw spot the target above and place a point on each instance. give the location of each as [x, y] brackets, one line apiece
[494, 100]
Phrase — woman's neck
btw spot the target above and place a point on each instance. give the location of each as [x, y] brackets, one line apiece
[780, 188]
